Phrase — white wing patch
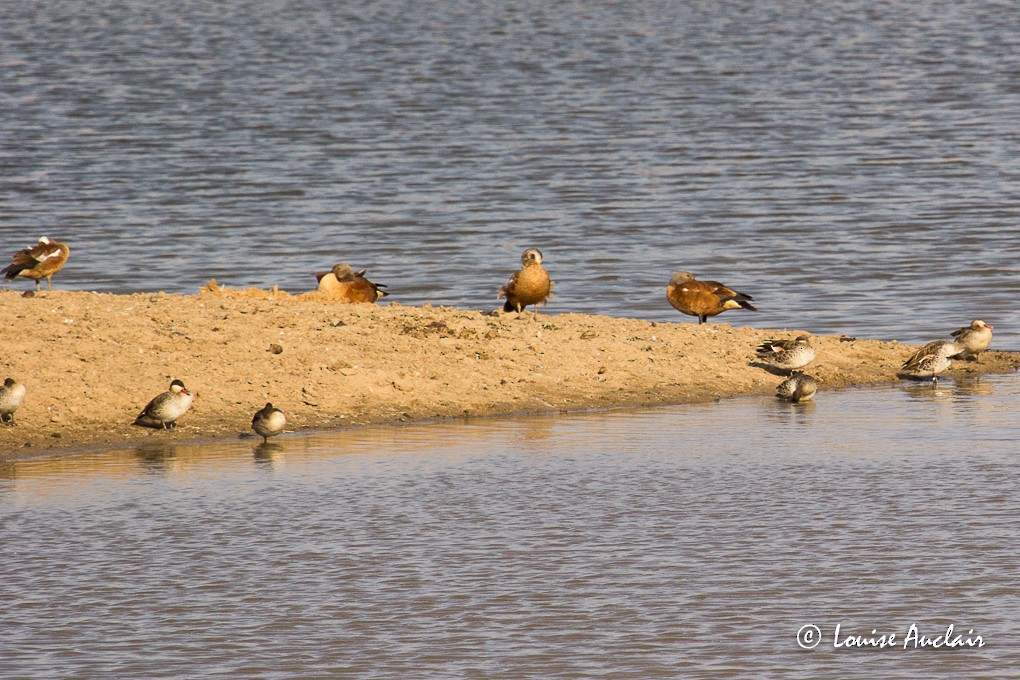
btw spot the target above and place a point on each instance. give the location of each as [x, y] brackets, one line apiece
[46, 254]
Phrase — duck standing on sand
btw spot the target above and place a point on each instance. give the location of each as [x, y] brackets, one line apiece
[704, 298]
[797, 388]
[348, 285]
[974, 339]
[528, 286]
[40, 261]
[787, 355]
[269, 421]
[930, 360]
[11, 395]
[164, 409]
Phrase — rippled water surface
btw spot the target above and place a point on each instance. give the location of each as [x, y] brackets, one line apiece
[687, 541]
[852, 165]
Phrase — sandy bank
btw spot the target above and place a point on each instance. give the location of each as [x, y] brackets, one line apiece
[91, 361]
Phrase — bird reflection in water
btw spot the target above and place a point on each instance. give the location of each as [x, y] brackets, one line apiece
[268, 455]
[154, 459]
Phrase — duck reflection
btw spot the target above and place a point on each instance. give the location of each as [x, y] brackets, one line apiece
[972, 385]
[155, 458]
[924, 391]
[269, 455]
[785, 412]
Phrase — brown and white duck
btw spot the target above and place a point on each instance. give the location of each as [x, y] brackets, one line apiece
[268, 421]
[974, 339]
[530, 285]
[343, 283]
[930, 360]
[797, 388]
[704, 298]
[40, 261]
[164, 409]
[787, 355]
[11, 395]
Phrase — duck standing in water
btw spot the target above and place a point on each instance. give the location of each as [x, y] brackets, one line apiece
[40, 261]
[268, 421]
[930, 360]
[11, 395]
[797, 388]
[974, 339]
[787, 355]
[528, 286]
[348, 285]
[164, 409]
[704, 298]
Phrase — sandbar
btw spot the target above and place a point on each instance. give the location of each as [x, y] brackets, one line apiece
[91, 361]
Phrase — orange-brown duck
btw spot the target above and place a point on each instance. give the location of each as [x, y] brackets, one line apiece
[704, 298]
[528, 286]
[40, 261]
[344, 283]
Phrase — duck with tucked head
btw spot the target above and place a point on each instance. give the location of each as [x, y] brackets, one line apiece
[164, 409]
[974, 339]
[37, 262]
[704, 298]
[268, 421]
[530, 285]
[11, 395]
[345, 284]
[797, 388]
[787, 355]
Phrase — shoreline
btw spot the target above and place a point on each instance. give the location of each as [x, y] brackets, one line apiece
[91, 361]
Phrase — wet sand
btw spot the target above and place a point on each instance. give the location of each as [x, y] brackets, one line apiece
[91, 361]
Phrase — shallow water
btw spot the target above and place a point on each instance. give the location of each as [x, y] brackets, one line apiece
[851, 165]
[690, 541]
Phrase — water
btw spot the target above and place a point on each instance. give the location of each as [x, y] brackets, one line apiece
[690, 541]
[851, 165]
